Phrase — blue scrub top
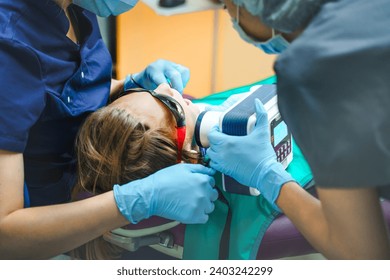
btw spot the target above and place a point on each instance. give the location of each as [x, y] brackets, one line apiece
[48, 86]
[334, 93]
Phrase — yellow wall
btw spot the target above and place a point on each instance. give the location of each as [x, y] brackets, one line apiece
[216, 62]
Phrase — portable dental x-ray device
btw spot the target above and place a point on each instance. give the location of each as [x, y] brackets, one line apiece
[240, 120]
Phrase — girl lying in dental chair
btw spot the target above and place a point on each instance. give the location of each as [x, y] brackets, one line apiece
[141, 132]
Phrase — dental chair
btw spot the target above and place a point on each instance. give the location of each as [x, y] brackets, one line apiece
[281, 240]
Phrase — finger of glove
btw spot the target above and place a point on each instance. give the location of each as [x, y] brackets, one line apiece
[138, 77]
[221, 142]
[175, 79]
[215, 154]
[153, 79]
[199, 219]
[128, 83]
[215, 165]
[184, 73]
[214, 194]
[216, 137]
[209, 208]
[261, 126]
[261, 113]
[221, 163]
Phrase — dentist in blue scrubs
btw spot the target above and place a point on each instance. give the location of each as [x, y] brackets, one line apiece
[334, 94]
[54, 71]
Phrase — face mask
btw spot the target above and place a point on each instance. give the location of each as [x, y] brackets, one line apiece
[105, 8]
[276, 45]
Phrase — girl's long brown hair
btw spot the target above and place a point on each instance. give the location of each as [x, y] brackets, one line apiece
[112, 148]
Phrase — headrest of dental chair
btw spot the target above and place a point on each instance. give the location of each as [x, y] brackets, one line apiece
[153, 221]
[146, 227]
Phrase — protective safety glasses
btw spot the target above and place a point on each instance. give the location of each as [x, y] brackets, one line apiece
[174, 107]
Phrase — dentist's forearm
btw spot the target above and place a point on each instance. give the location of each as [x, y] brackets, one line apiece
[44, 232]
[344, 223]
[305, 212]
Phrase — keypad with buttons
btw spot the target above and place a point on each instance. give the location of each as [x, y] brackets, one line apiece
[283, 150]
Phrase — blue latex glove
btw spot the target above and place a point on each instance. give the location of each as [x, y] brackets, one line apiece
[158, 72]
[183, 192]
[250, 159]
[233, 99]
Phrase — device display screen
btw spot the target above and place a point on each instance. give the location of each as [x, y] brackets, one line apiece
[280, 132]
